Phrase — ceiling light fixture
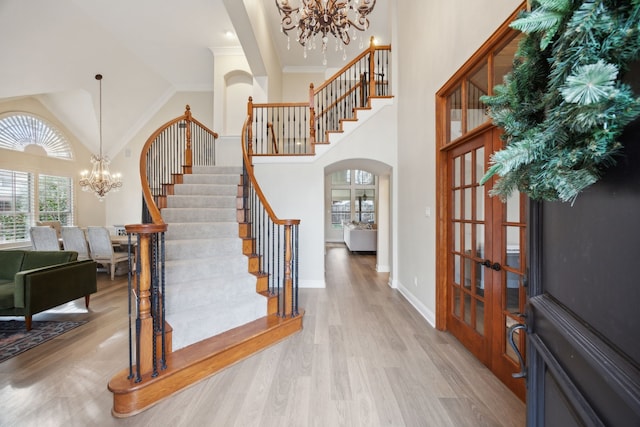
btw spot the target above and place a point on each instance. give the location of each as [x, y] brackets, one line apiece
[100, 181]
[324, 17]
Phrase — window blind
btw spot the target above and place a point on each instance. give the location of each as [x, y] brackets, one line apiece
[16, 205]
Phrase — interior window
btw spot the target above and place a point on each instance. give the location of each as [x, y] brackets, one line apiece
[353, 197]
[22, 194]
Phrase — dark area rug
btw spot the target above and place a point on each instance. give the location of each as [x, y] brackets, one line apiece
[15, 339]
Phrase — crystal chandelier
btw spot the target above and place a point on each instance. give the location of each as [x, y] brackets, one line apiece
[100, 180]
[324, 17]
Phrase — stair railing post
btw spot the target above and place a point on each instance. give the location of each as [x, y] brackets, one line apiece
[250, 130]
[188, 152]
[372, 70]
[145, 339]
[288, 277]
[312, 118]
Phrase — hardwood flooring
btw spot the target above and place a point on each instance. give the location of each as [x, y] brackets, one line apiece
[365, 357]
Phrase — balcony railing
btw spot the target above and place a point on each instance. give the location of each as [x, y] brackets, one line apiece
[285, 129]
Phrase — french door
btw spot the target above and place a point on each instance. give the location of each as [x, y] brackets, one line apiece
[486, 261]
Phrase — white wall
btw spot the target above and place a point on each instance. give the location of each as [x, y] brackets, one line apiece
[238, 89]
[296, 191]
[433, 40]
[297, 87]
[224, 65]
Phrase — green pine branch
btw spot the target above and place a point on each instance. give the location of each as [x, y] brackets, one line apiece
[563, 109]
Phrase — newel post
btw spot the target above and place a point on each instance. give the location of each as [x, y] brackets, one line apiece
[372, 68]
[312, 116]
[250, 128]
[144, 321]
[188, 154]
[288, 276]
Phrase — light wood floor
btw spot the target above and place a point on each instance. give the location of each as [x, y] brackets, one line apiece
[364, 358]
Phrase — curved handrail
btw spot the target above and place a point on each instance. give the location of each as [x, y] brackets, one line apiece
[152, 207]
[273, 241]
[254, 182]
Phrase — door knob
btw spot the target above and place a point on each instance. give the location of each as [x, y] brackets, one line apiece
[496, 266]
[486, 263]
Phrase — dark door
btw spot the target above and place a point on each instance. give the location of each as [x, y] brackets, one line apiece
[584, 308]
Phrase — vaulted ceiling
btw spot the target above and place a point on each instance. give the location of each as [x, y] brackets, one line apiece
[147, 50]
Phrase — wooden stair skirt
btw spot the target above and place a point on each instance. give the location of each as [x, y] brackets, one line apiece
[198, 361]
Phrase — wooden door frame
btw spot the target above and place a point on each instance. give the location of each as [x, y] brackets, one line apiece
[443, 146]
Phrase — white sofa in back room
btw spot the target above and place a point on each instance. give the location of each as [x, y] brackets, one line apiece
[360, 237]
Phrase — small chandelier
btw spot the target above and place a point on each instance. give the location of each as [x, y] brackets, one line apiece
[100, 181]
[324, 17]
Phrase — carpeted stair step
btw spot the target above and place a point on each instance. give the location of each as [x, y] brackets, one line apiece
[220, 292]
[214, 179]
[201, 230]
[201, 248]
[198, 214]
[206, 189]
[222, 170]
[182, 270]
[200, 201]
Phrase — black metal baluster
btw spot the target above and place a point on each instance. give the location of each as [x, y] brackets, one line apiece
[138, 376]
[163, 360]
[129, 296]
[154, 303]
[282, 288]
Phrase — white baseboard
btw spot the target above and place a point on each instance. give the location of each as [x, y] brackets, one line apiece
[383, 268]
[429, 315]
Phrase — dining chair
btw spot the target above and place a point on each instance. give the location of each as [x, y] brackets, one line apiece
[101, 249]
[74, 239]
[53, 224]
[44, 238]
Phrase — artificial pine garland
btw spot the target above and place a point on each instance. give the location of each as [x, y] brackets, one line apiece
[563, 106]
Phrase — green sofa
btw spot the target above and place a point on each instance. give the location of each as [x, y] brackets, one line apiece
[34, 281]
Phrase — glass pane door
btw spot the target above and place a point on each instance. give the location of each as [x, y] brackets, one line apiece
[469, 289]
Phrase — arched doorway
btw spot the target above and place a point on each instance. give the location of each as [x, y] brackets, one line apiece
[353, 195]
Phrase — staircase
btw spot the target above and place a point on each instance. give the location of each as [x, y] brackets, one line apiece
[210, 289]
[219, 307]
[218, 276]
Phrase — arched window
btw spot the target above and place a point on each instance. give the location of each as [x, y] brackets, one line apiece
[31, 134]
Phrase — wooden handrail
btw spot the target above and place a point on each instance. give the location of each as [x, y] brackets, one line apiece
[154, 211]
[372, 49]
[353, 86]
[342, 98]
[280, 268]
[256, 186]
